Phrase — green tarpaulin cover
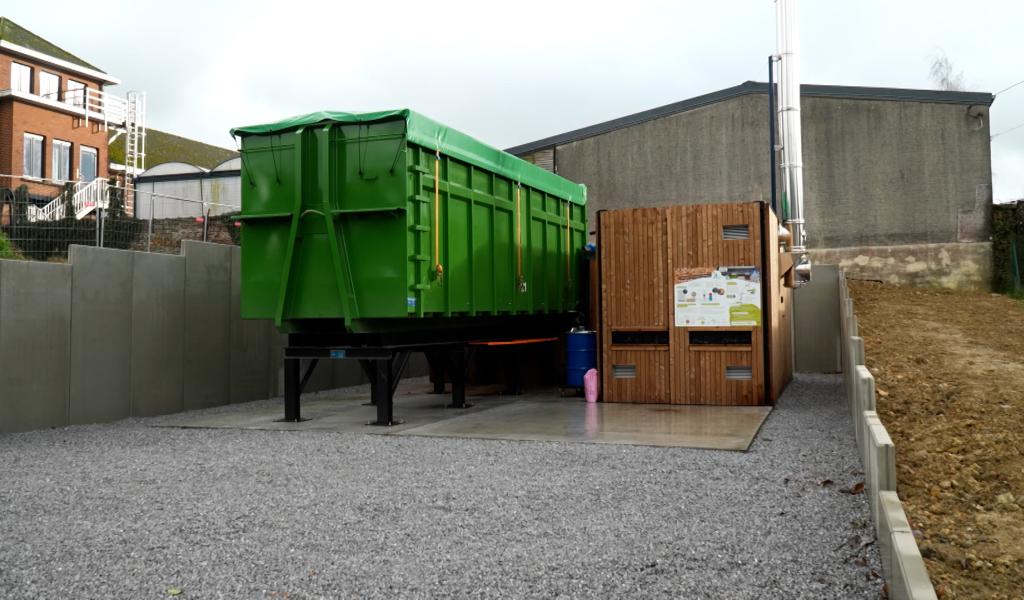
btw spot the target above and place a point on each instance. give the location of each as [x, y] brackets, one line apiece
[435, 136]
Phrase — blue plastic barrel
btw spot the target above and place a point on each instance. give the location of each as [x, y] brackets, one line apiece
[581, 356]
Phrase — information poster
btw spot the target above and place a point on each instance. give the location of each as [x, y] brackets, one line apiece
[722, 297]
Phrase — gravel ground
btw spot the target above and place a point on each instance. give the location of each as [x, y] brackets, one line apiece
[130, 511]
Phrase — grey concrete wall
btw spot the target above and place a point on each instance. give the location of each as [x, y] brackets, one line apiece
[207, 327]
[876, 173]
[101, 334]
[816, 335]
[714, 154]
[248, 373]
[158, 342]
[115, 333]
[35, 334]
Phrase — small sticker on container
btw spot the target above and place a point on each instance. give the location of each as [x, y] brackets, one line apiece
[411, 301]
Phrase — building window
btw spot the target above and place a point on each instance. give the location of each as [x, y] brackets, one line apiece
[87, 168]
[75, 95]
[21, 78]
[33, 156]
[49, 85]
[61, 152]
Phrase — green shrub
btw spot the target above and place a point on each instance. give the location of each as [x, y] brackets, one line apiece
[7, 250]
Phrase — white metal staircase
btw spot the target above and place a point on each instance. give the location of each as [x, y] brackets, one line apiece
[86, 196]
[126, 116]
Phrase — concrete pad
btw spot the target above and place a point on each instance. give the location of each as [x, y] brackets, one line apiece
[342, 411]
[536, 417]
[572, 420]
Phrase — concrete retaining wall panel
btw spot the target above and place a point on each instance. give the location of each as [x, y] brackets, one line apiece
[35, 333]
[910, 579]
[158, 334]
[249, 352]
[100, 364]
[207, 324]
[891, 519]
[816, 322]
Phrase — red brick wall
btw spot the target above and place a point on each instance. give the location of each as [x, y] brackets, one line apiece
[5, 73]
[50, 124]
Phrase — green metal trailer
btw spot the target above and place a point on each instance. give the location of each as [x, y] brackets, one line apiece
[389, 221]
[368, 236]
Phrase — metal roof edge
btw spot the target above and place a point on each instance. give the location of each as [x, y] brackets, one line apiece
[755, 87]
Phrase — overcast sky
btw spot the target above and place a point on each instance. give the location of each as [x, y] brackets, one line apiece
[513, 72]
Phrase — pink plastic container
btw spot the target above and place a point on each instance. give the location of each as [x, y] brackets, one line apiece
[591, 385]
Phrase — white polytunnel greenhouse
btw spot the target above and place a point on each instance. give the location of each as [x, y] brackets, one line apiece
[176, 189]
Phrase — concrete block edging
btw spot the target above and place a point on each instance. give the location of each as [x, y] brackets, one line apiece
[902, 563]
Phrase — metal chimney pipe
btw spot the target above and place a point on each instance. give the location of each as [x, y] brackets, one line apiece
[788, 42]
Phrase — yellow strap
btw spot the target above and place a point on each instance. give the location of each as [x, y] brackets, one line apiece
[568, 238]
[519, 239]
[438, 269]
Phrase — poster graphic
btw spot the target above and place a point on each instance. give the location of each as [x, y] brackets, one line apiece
[722, 297]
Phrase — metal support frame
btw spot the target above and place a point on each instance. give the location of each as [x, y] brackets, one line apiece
[293, 387]
[458, 374]
[383, 367]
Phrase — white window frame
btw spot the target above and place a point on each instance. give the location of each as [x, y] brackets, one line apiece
[27, 165]
[21, 78]
[60, 160]
[49, 85]
[82, 152]
[75, 93]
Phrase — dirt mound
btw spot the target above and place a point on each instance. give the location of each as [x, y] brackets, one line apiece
[949, 370]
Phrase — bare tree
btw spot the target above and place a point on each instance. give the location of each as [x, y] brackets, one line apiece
[944, 75]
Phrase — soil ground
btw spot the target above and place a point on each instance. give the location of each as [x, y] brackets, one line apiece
[949, 372]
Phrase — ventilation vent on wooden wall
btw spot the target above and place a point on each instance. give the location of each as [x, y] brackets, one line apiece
[624, 371]
[739, 373]
[735, 232]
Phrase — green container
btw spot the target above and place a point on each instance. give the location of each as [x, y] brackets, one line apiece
[390, 221]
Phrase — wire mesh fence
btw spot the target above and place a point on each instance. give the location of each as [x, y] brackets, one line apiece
[42, 225]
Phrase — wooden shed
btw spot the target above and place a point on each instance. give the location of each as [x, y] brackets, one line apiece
[693, 307]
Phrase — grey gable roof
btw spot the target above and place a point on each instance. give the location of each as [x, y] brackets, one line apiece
[756, 87]
[16, 34]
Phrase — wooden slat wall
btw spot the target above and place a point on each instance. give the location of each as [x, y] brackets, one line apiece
[639, 252]
[778, 320]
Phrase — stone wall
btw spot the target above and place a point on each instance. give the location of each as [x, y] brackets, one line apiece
[956, 265]
[168, 234]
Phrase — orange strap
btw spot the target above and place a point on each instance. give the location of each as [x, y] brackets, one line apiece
[515, 342]
[438, 269]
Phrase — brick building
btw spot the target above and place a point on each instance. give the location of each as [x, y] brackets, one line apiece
[56, 121]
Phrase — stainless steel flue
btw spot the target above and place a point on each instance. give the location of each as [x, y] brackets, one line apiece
[788, 41]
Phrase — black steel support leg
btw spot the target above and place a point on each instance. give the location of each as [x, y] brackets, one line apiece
[292, 390]
[293, 387]
[435, 360]
[458, 375]
[386, 374]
